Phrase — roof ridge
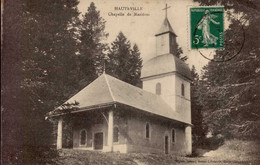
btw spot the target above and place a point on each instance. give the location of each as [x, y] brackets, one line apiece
[133, 86]
[142, 90]
[165, 27]
[169, 24]
[109, 88]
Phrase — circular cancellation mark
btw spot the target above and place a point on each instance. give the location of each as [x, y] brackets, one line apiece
[231, 45]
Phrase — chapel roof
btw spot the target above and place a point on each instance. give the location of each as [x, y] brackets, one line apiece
[166, 63]
[109, 90]
[165, 27]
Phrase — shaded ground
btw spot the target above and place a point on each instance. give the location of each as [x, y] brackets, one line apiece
[233, 152]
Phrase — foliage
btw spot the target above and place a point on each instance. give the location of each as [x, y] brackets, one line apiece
[124, 62]
[231, 96]
[40, 53]
[50, 55]
[179, 53]
[91, 47]
[245, 6]
[198, 130]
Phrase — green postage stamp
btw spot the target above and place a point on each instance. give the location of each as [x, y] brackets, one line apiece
[207, 27]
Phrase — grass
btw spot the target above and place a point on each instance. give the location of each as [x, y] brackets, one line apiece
[234, 152]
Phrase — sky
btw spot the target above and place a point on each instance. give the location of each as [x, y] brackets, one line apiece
[142, 29]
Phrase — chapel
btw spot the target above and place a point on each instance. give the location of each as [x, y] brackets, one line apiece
[113, 115]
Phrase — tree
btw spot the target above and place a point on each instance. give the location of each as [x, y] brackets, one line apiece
[124, 63]
[180, 55]
[199, 130]
[10, 94]
[136, 65]
[91, 47]
[43, 64]
[231, 97]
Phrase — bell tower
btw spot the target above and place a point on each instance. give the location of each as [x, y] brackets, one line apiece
[169, 77]
[165, 74]
[166, 38]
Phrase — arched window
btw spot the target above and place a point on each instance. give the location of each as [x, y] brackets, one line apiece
[173, 136]
[158, 88]
[116, 134]
[182, 90]
[83, 137]
[147, 130]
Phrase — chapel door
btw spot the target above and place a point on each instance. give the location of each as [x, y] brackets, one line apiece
[166, 145]
[98, 141]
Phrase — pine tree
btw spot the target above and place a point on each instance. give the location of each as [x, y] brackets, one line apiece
[124, 63]
[231, 97]
[91, 47]
[136, 65]
[199, 130]
[180, 55]
[46, 52]
[11, 99]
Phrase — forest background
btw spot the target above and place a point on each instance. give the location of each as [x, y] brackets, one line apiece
[49, 53]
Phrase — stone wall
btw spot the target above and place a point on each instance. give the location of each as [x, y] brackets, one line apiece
[131, 124]
[94, 122]
[159, 129]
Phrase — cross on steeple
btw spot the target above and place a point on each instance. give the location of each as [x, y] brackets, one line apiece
[166, 10]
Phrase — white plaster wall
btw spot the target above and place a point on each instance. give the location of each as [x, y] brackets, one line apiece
[171, 92]
[162, 48]
[178, 83]
[183, 104]
[167, 88]
[158, 130]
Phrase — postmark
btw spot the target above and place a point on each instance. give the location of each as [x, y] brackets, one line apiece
[207, 27]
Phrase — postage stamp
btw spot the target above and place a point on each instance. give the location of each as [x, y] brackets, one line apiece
[207, 27]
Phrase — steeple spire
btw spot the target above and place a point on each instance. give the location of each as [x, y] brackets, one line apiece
[165, 37]
[166, 10]
[166, 26]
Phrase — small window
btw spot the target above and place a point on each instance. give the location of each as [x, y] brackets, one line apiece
[182, 90]
[173, 136]
[116, 134]
[83, 137]
[158, 88]
[147, 131]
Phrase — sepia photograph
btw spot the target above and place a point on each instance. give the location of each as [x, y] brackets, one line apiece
[130, 82]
